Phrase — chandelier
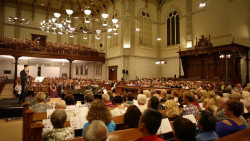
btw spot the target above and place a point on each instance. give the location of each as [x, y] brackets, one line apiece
[88, 24]
[18, 20]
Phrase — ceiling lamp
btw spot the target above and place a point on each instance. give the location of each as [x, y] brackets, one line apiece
[87, 20]
[105, 16]
[115, 21]
[109, 29]
[137, 29]
[57, 15]
[71, 35]
[85, 37]
[18, 19]
[158, 39]
[87, 12]
[105, 23]
[109, 36]
[115, 32]
[69, 11]
[98, 31]
[202, 4]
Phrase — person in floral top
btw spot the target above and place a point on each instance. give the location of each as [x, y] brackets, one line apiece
[59, 132]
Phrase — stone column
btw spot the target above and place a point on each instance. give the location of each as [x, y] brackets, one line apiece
[15, 74]
[247, 65]
[70, 67]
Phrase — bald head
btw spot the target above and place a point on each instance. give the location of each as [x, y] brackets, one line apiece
[96, 131]
[60, 104]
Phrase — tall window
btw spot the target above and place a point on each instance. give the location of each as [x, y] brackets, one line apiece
[145, 24]
[86, 70]
[77, 71]
[173, 28]
[114, 38]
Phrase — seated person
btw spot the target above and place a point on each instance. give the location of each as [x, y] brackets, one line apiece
[119, 108]
[106, 99]
[207, 125]
[149, 124]
[77, 86]
[30, 98]
[58, 118]
[163, 95]
[160, 106]
[172, 110]
[88, 98]
[99, 111]
[129, 99]
[60, 104]
[184, 130]
[69, 99]
[131, 117]
[142, 99]
[190, 108]
[18, 89]
[233, 111]
[41, 106]
[154, 103]
[96, 131]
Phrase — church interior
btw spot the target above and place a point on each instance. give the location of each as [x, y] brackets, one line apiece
[118, 70]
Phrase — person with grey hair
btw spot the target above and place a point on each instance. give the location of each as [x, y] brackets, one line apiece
[61, 104]
[106, 99]
[220, 115]
[96, 131]
[59, 132]
[142, 99]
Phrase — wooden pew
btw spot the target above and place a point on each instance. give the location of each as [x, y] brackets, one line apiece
[243, 135]
[125, 135]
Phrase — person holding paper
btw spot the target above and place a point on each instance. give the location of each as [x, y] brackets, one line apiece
[190, 108]
[149, 124]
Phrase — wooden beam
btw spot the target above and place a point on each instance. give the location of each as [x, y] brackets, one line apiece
[161, 4]
[62, 7]
[33, 9]
[3, 3]
[47, 14]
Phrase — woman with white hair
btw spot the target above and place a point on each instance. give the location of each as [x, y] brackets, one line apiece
[245, 98]
[142, 99]
[106, 99]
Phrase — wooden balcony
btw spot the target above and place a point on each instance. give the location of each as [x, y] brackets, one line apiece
[44, 52]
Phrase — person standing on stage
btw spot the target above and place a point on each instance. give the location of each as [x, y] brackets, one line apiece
[25, 78]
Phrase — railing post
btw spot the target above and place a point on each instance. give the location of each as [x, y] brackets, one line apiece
[29, 114]
[37, 129]
[25, 107]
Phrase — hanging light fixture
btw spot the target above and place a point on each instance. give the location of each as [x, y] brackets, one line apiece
[115, 21]
[87, 12]
[202, 4]
[159, 39]
[69, 11]
[57, 15]
[18, 20]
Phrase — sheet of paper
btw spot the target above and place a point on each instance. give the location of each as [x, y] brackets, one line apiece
[201, 105]
[191, 117]
[245, 109]
[47, 125]
[78, 122]
[165, 127]
[49, 112]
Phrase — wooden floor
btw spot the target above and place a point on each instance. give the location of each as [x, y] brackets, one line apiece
[11, 130]
[7, 91]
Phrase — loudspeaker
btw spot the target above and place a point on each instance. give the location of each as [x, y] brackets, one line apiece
[100, 45]
[123, 71]
[126, 71]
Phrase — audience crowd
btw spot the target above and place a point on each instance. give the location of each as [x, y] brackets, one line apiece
[60, 48]
[220, 109]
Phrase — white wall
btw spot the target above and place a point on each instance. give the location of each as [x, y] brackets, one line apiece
[50, 71]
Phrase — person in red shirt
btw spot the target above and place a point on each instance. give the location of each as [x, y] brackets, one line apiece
[149, 124]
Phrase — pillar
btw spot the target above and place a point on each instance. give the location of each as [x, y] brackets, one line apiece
[247, 64]
[70, 68]
[15, 74]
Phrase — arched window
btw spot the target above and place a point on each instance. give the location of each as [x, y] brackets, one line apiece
[114, 37]
[145, 24]
[173, 28]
